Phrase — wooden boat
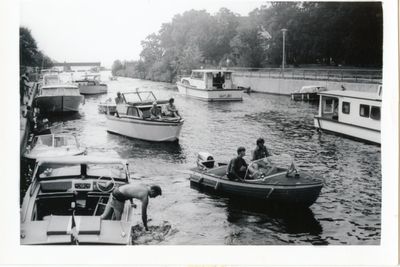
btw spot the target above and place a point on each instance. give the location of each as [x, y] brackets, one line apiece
[53, 145]
[56, 95]
[63, 204]
[90, 84]
[351, 113]
[308, 93]
[133, 119]
[210, 85]
[282, 186]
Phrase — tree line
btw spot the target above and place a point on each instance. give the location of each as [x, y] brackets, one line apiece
[30, 55]
[322, 33]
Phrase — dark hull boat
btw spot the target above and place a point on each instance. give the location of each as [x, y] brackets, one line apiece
[278, 187]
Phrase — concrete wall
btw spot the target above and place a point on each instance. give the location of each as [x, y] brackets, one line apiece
[283, 86]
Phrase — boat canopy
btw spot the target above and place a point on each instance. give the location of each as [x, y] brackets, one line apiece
[57, 86]
[312, 89]
[73, 160]
[352, 94]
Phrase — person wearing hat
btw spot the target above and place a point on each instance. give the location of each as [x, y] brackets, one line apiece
[261, 150]
[155, 112]
[119, 99]
[171, 109]
[116, 202]
[237, 166]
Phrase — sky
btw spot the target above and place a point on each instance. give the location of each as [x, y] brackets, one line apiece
[104, 30]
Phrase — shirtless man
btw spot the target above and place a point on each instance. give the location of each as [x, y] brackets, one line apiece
[118, 197]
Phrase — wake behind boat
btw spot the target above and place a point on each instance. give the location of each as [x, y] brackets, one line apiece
[133, 119]
[268, 185]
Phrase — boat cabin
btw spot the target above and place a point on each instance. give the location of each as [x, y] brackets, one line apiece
[351, 107]
[210, 79]
[89, 79]
[59, 90]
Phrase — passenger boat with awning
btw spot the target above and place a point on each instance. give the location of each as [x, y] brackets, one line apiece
[278, 185]
[351, 113]
[57, 95]
[133, 119]
[210, 85]
[63, 204]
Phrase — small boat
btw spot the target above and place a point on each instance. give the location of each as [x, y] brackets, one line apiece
[308, 93]
[65, 199]
[107, 107]
[210, 85]
[133, 119]
[53, 145]
[113, 78]
[351, 113]
[57, 95]
[272, 186]
[90, 84]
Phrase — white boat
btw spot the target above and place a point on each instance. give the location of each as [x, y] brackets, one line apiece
[57, 94]
[210, 85]
[308, 93]
[53, 145]
[133, 119]
[65, 199]
[351, 113]
[90, 84]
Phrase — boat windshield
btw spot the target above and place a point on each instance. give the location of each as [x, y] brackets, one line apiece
[56, 91]
[139, 97]
[56, 170]
[51, 79]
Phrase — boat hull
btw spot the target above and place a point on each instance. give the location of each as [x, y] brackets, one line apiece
[93, 89]
[303, 195]
[63, 103]
[210, 95]
[107, 108]
[144, 129]
[349, 130]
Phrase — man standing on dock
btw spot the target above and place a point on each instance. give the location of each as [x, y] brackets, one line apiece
[23, 87]
[120, 194]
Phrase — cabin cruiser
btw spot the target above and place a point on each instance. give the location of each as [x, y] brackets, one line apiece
[210, 85]
[57, 94]
[53, 145]
[269, 181]
[133, 119]
[308, 93]
[351, 113]
[65, 199]
[90, 84]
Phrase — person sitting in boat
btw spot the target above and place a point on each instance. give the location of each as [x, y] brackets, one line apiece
[116, 202]
[237, 166]
[261, 150]
[155, 112]
[171, 109]
[119, 99]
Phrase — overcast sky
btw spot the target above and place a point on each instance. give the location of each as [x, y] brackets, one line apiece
[100, 30]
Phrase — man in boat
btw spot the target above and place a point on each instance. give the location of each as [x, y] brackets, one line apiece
[261, 150]
[155, 112]
[237, 166]
[116, 202]
[171, 109]
[119, 99]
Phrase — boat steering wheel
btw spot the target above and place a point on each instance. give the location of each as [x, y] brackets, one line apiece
[104, 186]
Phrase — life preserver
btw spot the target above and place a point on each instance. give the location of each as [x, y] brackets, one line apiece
[223, 86]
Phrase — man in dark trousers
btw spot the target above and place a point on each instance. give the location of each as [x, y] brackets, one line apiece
[116, 202]
[237, 166]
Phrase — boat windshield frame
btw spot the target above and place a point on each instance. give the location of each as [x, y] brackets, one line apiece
[139, 95]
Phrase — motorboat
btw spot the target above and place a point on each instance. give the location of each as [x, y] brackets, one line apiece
[133, 119]
[90, 84]
[210, 85]
[57, 94]
[308, 93]
[113, 78]
[351, 113]
[63, 204]
[271, 183]
[107, 107]
[53, 145]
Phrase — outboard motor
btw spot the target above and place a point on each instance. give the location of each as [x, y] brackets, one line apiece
[205, 160]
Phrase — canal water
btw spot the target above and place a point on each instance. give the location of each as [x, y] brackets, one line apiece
[348, 210]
